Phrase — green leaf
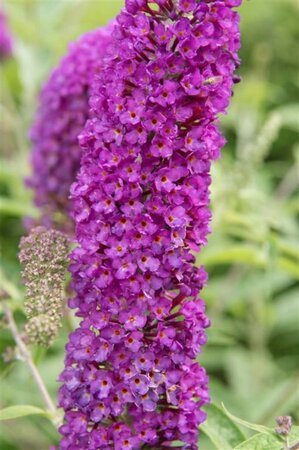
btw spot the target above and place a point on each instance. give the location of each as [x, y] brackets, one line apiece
[265, 441]
[288, 247]
[223, 432]
[260, 441]
[291, 267]
[8, 287]
[13, 412]
[294, 436]
[239, 254]
[16, 208]
[251, 426]
[30, 70]
[285, 311]
[216, 338]
[257, 150]
[177, 444]
[290, 115]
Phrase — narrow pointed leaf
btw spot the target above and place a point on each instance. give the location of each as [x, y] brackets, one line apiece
[14, 412]
[244, 423]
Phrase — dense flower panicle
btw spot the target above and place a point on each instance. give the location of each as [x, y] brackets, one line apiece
[131, 379]
[5, 37]
[63, 111]
[44, 257]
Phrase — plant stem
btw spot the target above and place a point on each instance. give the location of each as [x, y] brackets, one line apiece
[25, 353]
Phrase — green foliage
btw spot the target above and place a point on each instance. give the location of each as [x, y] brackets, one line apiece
[14, 412]
[262, 441]
[250, 426]
[252, 256]
[221, 430]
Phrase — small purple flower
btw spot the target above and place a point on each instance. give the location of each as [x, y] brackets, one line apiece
[132, 319]
[102, 384]
[166, 94]
[133, 341]
[144, 361]
[139, 384]
[176, 217]
[98, 412]
[161, 147]
[147, 262]
[187, 6]
[124, 268]
[113, 333]
[188, 47]
[162, 34]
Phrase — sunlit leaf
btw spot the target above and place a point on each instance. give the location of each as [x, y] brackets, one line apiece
[260, 441]
[216, 337]
[17, 208]
[222, 431]
[251, 426]
[235, 254]
[177, 444]
[289, 266]
[290, 115]
[14, 412]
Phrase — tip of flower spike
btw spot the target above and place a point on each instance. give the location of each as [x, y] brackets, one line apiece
[44, 257]
[43, 329]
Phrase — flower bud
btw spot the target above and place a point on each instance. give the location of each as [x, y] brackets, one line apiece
[284, 425]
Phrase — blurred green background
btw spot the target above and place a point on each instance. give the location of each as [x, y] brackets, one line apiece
[253, 254]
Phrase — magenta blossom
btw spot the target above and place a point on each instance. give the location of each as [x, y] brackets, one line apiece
[62, 112]
[141, 205]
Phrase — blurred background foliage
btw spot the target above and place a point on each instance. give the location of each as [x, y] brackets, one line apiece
[253, 253]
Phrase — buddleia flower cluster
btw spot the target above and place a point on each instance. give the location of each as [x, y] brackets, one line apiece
[5, 37]
[43, 255]
[141, 207]
[62, 112]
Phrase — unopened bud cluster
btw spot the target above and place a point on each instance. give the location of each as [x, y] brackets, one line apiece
[284, 425]
[43, 255]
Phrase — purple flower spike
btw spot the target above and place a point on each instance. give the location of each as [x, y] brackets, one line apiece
[6, 45]
[62, 112]
[141, 206]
